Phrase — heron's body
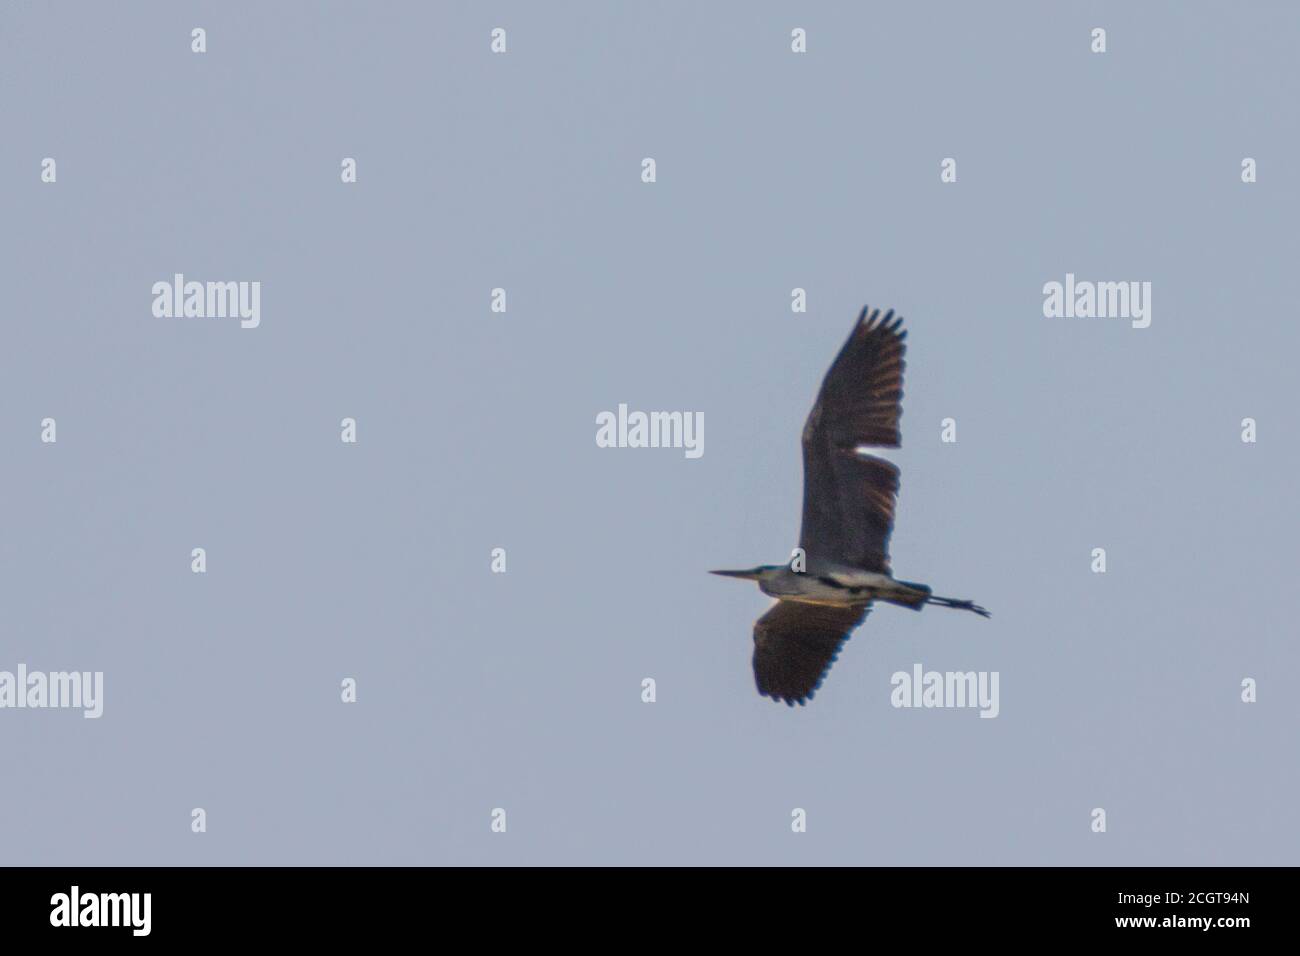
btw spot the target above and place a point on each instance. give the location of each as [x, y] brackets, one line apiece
[839, 585]
[848, 513]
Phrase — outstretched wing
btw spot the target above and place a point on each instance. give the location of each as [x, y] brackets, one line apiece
[795, 645]
[848, 496]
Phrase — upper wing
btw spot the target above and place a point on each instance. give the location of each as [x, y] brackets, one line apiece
[848, 496]
[795, 645]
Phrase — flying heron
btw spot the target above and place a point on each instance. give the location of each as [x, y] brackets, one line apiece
[848, 513]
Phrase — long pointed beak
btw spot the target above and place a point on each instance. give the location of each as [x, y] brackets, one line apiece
[747, 575]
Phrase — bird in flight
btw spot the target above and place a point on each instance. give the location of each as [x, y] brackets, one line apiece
[842, 564]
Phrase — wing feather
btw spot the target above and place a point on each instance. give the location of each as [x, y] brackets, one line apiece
[795, 645]
[849, 496]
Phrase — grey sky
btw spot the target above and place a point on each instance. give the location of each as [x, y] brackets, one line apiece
[477, 430]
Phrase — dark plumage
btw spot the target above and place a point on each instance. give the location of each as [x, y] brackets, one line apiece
[848, 514]
[848, 497]
[796, 644]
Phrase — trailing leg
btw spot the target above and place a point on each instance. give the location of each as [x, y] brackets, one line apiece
[960, 605]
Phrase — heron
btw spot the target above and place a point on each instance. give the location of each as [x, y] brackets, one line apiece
[842, 563]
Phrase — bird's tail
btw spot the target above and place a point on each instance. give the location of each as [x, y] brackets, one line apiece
[960, 605]
[910, 594]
